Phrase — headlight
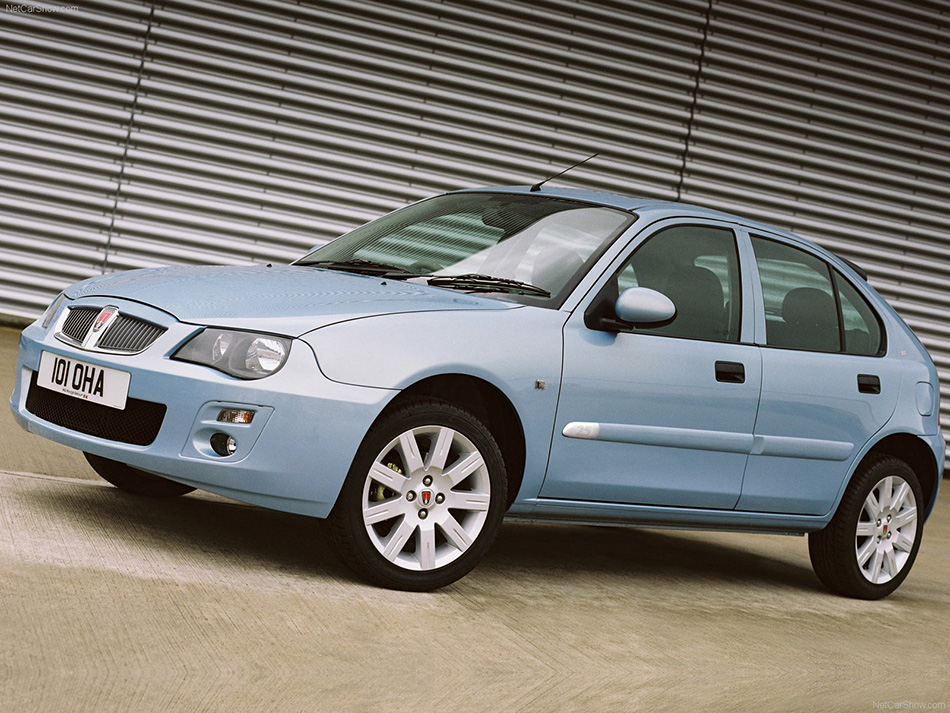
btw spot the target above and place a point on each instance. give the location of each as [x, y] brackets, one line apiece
[52, 310]
[242, 354]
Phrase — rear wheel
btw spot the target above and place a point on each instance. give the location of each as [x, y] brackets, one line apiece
[133, 480]
[869, 546]
[424, 498]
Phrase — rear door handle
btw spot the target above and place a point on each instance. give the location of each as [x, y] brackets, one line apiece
[730, 372]
[869, 384]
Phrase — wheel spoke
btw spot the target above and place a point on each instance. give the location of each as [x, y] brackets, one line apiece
[463, 468]
[903, 543]
[385, 475]
[886, 491]
[455, 533]
[425, 546]
[872, 506]
[876, 565]
[394, 507]
[900, 496]
[866, 551]
[409, 448]
[865, 529]
[906, 517]
[469, 501]
[891, 561]
[439, 452]
[398, 539]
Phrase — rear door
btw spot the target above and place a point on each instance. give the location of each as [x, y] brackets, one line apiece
[827, 386]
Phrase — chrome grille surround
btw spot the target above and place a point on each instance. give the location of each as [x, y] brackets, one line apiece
[123, 335]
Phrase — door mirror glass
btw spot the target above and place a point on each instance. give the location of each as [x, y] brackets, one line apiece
[641, 305]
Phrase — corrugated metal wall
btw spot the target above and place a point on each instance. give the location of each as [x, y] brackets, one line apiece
[137, 134]
[832, 119]
[66, 92]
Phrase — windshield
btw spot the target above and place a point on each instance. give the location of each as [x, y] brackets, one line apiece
[494, 241]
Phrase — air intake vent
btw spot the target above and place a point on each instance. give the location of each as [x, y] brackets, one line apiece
[138, 424]
[77, 324]
[126, 335]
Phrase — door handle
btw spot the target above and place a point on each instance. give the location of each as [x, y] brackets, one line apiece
[730, 372]
[869, 384]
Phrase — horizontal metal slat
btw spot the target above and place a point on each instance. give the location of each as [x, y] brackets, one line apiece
[875, 33]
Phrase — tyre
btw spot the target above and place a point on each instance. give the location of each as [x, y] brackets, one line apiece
[871, 542]
[424, 497]
[133, 480]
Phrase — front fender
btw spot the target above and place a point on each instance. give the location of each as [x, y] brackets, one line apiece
[518, 351]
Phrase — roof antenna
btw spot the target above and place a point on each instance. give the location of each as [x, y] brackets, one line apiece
[537, 186]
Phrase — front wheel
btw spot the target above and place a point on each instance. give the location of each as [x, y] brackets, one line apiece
[133, 480]
[869, 546]
[424, 497]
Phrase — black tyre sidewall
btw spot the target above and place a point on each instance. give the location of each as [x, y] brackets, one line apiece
[353, 543]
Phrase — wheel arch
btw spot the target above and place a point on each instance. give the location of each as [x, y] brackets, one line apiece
[488, 403]
[917, 454]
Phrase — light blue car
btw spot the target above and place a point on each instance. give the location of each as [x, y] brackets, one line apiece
[536, 354]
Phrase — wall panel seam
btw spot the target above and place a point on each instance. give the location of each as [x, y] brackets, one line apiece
[128, 139]
[695, 100]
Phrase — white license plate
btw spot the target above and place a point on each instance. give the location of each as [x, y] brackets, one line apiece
[98, 384]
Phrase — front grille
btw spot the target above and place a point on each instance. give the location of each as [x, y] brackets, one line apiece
[78, 322]
[128, 335]
[137, 424]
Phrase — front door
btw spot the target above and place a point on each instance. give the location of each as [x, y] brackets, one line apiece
[660, 415]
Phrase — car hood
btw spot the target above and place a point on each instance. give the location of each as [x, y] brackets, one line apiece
[282, 299]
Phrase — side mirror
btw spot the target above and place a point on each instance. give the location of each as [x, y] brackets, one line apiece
[643, 306]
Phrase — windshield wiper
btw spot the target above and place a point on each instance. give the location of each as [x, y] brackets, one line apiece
[363, 267]
[486, 283]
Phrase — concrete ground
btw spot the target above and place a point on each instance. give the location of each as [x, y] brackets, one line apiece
[110, 602]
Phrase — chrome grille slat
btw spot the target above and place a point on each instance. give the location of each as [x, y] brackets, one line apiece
[126, 335]
[78, 322]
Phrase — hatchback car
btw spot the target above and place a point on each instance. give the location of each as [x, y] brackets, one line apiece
[539, 354]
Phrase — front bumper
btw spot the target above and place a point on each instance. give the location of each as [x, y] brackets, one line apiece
[293, 456]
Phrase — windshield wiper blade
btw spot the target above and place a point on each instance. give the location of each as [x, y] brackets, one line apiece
[363, 267]
[487, 283]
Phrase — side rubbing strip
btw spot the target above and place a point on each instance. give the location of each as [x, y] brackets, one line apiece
[723, 441]
[660, 436]
[579, 429]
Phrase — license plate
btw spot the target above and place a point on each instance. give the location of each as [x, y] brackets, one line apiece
[98, 384]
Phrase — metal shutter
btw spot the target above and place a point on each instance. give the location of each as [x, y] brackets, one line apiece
[832, 119]
[135, 134]
[65, 102]
[263, 128]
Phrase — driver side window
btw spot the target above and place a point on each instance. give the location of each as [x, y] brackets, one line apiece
[697, 267]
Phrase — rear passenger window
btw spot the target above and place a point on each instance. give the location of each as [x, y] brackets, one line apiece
[809, 306]
[801, 311]
[863, 335]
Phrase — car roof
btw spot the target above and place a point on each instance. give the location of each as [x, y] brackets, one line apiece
[654, 209]
[657, 209]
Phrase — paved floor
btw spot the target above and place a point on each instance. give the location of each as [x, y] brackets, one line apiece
[109, 602]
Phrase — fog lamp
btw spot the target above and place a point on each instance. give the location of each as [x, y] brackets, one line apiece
[223, 444]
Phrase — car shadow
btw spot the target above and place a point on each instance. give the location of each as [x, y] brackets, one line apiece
[243, 537]
[645, 554]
